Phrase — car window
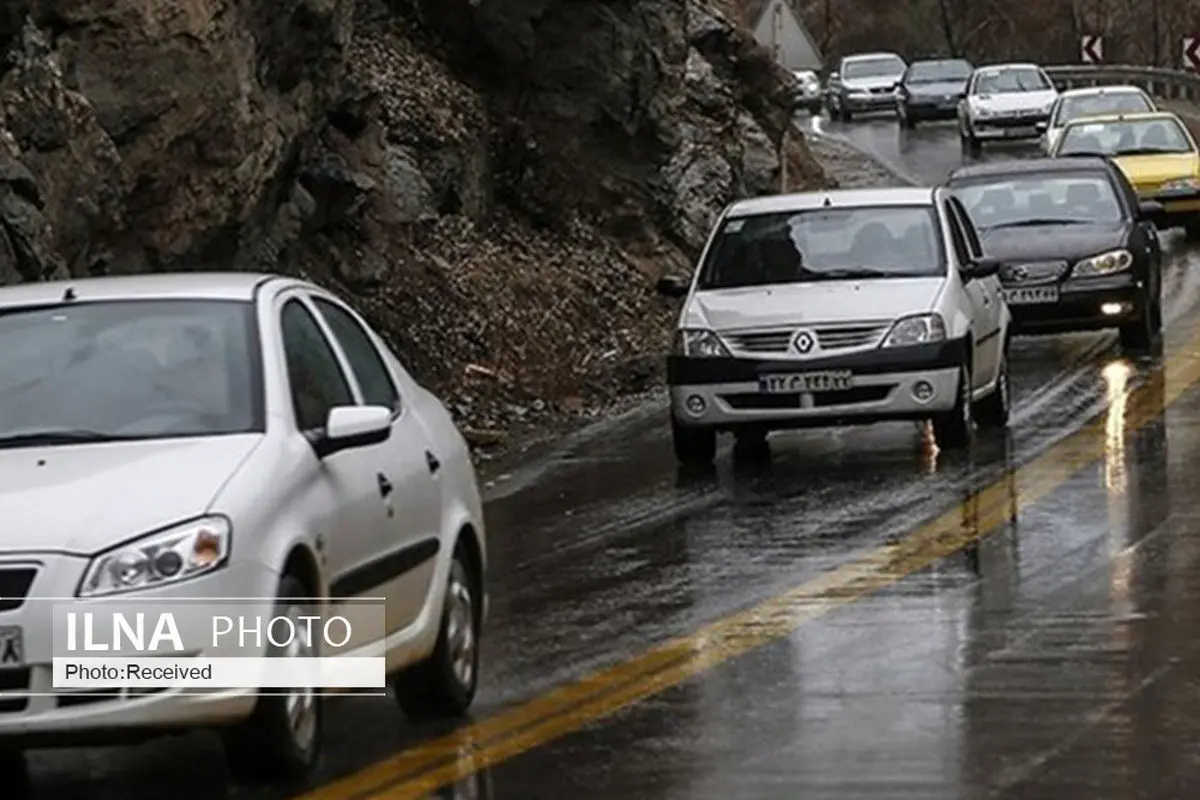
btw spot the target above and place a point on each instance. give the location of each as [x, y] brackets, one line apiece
[968, 228]
[1098, 105]
[873, 67]
[937, 71]
[1125, 137]
[314, 372]
[824, 244]
[962, 253]
[136, 368]
[1004, 201]
[365, 361]
[1010, 80]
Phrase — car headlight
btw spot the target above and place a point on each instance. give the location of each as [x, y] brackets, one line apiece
[176, 554]
[698, 343]
[1181, 185]
[981, 112]
[918, 329]
[1104, 263]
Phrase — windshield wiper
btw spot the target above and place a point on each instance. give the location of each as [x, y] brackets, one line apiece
[859, 272]
[1149, 151]
[59, 436]
[1029, 223]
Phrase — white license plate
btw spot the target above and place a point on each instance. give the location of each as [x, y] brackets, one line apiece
[798, 382]
[1031, 295]
[1019, 133]
[12, 647]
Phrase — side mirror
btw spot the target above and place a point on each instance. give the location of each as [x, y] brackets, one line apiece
[981, 268]
[1042, 127]
[673, 286]
[348, 427]
[1150, 208]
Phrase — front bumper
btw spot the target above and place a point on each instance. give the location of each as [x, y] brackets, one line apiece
[881, 390]
[1080, 306]
[1020, 126]
[34, 714]
[931, 108]
[1178, 208]
[876, 101]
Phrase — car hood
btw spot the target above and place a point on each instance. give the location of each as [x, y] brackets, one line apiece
[1053, 242]
[1014, 101]
[938, 89]
[811, 303]
[874, 82]
[1149, 171]
[84, 498]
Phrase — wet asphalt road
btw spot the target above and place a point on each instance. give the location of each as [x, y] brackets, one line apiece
[1052, 654]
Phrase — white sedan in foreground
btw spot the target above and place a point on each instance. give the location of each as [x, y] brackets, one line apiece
[175, 437]
[835, 308]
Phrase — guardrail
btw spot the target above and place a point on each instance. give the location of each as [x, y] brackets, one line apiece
[1171, 84]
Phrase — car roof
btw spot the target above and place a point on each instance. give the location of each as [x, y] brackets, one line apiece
[1137, 116]
[988, 68]
[1113, 89]
[865, 56]
[940, 61]
[160, 286]
[806, 201]
[1032, 166]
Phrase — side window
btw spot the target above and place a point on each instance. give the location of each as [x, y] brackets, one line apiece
[368, 366]
[961, 254]
[313, 370]
[968, 226]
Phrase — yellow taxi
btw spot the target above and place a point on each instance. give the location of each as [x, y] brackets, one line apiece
[1155, 150]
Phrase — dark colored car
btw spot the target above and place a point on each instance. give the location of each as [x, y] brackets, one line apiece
[931, 89]
[1077, 249]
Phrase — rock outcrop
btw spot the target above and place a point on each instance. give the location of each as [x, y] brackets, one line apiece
[497, 183]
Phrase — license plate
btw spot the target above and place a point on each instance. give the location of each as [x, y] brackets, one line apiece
[1031, 295]
[798, 382]
[1019, 133]
[12, 647]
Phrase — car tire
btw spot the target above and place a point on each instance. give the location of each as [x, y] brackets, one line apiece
[444, 684]
[1145, 335]
[694, 446]
[280, 742]
[993, 411]
[1191, 230]
[955, 429]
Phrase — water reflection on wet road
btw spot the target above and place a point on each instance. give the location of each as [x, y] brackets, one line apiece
[1012, 623]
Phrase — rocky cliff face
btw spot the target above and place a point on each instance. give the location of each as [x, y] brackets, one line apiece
[497, 183]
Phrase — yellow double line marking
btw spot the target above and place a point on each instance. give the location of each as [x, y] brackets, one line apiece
[424, 768]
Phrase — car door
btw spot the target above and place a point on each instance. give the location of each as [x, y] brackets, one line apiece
[355, 517]
[994, 307]
[408, 478]
[978, 300]
[1145, 241]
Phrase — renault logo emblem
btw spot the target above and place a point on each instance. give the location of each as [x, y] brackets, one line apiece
[804, 342]
[1020, 273]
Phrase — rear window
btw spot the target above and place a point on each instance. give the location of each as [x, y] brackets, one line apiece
[1065, 198]
[825, 244]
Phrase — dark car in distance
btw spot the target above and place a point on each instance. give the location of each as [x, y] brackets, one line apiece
[931, 89]
[1077, 249]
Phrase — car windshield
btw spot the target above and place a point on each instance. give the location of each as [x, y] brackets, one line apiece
[938, 71]
[1013, 79]
[1098, 105]
[133, 369]
[1012, 201]
[825, 244]
[873, 67]
[1127, 137]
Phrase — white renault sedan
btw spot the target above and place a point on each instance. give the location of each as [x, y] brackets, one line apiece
[1004, 102]
[835, 308]
[224, 436]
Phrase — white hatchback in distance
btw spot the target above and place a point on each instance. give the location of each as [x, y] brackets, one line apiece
[835, 308]
[257, 431]
[1004, 102]
[1092, 101]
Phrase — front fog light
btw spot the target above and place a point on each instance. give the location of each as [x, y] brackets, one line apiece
[1113, 309]
[695, 405]
[922, 391]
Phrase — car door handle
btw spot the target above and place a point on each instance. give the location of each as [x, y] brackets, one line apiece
[432, 461]
[385, 486]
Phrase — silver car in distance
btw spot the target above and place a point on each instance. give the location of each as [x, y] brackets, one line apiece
[836, 308]
[224, 436]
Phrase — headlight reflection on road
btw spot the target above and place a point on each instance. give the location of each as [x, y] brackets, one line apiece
[1116, 479]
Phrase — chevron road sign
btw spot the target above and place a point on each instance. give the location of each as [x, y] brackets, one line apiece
[1191, 52]
[1091, 49]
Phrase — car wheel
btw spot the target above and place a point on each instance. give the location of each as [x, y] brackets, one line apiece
[694, 446]
[993, 410]
[956, 428]
[281, 740]
[1145, 335]
[1191, 230]
[444, 684]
